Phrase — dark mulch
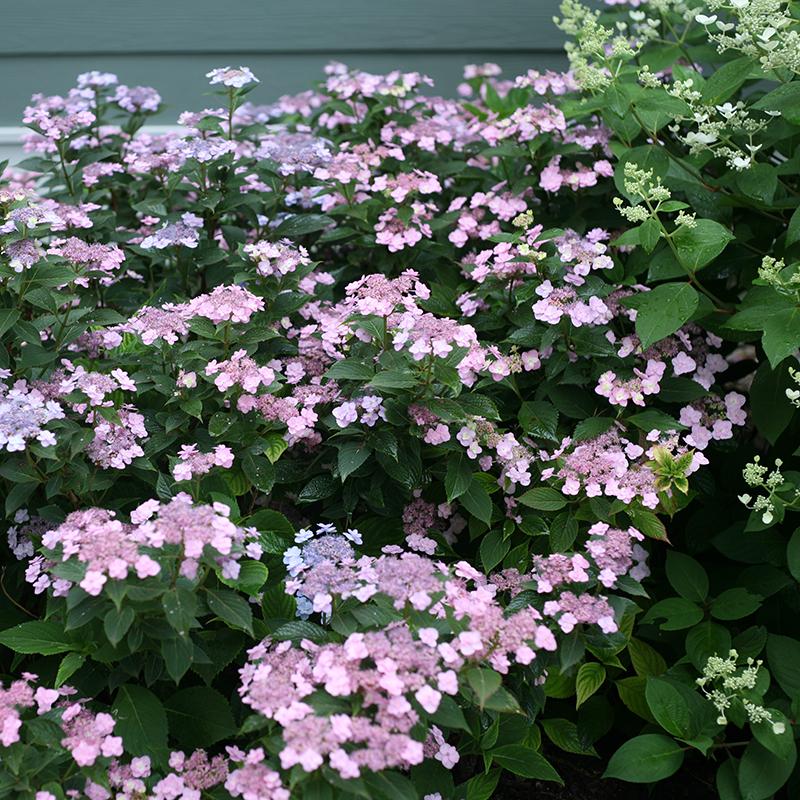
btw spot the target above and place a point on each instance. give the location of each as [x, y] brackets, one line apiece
[582, 781]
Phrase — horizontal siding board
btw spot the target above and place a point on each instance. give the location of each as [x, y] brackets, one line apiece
[181, 82]
[44, 27]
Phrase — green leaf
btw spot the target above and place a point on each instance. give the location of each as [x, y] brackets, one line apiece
[705, 640]
[663, 310]
[759, 182]
[770, 409]
[270, 521]
[390, 786]
[543, 498]
[645, 659]
[674, 706]
[141, 722]
[504, 702]
[351, 456]
[735, 604]
[786, 99]
[524, 761]
[232, 609]
[564, 734]
[652, 419]
[394, 379]
[199, 717]
[563, 532]
[478, 405]
[648, 523]
[592, 427]
[318, 488]
[493, 550]
[781, 334]
[180, 607]
[259, 471]
[300, 629]
[484, 682]
[301, 224]
[458, 476]
[351, 369]
[793, 555]
[686, 576]
[117, 622]
[677, 613]
[781, 744]
[8, 318]
[449, 715]
[178, 654]
[699, 246]
[43, 638]
[252, 576]
[274, 447]
[725, 80]
[645, 759]
[783, 655]
[591, 676]
[69, 665]
[477, 502]
[539, 418]
[482, 786]
[793, 231]
[762, 773]
[631, 692]
[219, 423]
[649, 234]
[727, 781]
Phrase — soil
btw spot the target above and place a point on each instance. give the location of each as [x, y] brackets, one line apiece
[582, 781]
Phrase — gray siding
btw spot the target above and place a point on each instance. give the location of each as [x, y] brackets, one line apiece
[171, 44]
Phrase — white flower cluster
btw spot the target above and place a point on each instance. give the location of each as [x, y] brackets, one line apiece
[758, 476]
[762, 29]
[724, 680]
[794, 394]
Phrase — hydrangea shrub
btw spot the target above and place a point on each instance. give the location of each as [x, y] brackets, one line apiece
[377, 444]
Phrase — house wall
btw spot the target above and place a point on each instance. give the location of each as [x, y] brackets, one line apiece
[171, 44]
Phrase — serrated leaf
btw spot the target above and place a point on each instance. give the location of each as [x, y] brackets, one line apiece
[663, 310]
[484, 682]
[116, 623]
[477, 502]
[42, 638]
[698, 246]
[351, 456]
[199, 717]
[259, 471]
[543, 498]
[232, 609]
[69, 665]
[762, 773]
[524, 761]
[252, 576]
[645, 759]
[591, 676]
[458, 476]
[674, 706]
[141, 722]
[180, 605]
[645, 659]
[563, 733]
[493, 550]
[686, 576]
